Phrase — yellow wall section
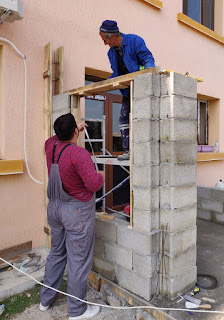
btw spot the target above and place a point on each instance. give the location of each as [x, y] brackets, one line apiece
[156, 3]
[11, 167]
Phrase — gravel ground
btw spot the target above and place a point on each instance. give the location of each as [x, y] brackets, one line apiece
[59, 309]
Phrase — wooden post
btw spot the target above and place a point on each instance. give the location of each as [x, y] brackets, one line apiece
[76, 111]
[48, 115]
[59, 57]
[131, 152]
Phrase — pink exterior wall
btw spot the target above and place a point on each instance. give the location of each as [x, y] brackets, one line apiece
[75, 25]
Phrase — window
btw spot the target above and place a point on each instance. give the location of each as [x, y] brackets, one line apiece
[201, 11]
[202, 122]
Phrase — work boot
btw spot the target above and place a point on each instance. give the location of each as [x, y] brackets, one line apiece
[90, 313]
[42, 308]
[124, 156]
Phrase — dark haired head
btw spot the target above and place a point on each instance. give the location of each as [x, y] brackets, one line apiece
[65, 126]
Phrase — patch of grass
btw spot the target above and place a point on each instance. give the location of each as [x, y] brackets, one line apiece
[18, 303]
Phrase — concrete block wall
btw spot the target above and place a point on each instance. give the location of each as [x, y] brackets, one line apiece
[178, 191]
[61, 104]
[210, 204]
[126, 256]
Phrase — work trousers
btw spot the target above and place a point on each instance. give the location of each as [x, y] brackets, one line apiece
[124, 122]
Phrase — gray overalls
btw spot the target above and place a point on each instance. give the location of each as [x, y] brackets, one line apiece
[72, 224]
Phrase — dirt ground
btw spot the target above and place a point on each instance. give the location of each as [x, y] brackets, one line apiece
[59, 309]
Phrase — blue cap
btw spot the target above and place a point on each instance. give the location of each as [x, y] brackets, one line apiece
[109, 26]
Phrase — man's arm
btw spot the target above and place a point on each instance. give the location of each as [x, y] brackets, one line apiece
[145, 56]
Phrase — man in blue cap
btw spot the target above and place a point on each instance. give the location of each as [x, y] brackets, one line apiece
[127, 53]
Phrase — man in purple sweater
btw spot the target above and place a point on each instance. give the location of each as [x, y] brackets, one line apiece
[72, 184]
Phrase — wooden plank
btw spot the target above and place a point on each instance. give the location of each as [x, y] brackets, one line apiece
[47, 119]
[11, 167]
[101, 86]
[169, 71]
[12, 252]
[59, 57]
[131, 152]
[76, 111]
[97, 73]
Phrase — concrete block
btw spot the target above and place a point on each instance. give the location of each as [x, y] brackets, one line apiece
[178, 219]
[119, 255]
[178, 107]
[146, 176]
[178, 174]
[218, 217]
[106, 230]
[138, 241]
[146, 153]
[181, 263]
[99, 247]
[147, 84]
[61, 102]
[178, 242]
[178, 152]
[180, 284]
[211, 205]
[59, 113]
[143, 85]
[142, 108]
[146, 108]
[204, 215]
[217, 195]
[178, 130]
[134, 283]
[145, 266]
[102, 266]
[146, 198]
[146, 220]
[143, 315]
[178, 84]
[204, 192]
[145, 130]
[177, 197]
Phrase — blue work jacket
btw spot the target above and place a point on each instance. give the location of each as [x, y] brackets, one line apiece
[135, 54]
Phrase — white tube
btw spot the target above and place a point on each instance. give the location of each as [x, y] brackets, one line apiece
[25, 105]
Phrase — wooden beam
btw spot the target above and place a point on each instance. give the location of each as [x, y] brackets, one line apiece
[12, 252]
[97, 73]
[48, 118]
[59, 57]
[107, 85]
[76, 111]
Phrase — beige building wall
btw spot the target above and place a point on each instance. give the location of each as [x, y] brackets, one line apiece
[75, 25]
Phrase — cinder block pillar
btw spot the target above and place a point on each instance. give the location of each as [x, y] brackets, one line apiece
[178, 191]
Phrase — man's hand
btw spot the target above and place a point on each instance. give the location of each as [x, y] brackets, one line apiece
[81, 126]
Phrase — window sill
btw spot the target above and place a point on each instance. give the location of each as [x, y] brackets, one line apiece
[199, 27]
[210, 156]
[155, 3]
[8, 167]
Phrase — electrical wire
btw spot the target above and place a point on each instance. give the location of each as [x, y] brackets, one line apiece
[25, 105]
[111, 307]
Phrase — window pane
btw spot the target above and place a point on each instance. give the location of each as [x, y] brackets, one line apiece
[194, 10]
[208, 14]
[117, 140]
[121, 195]
[94, 109]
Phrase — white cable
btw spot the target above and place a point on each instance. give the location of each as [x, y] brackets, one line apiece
[25, 105]
[94, 158]
[111, 307]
